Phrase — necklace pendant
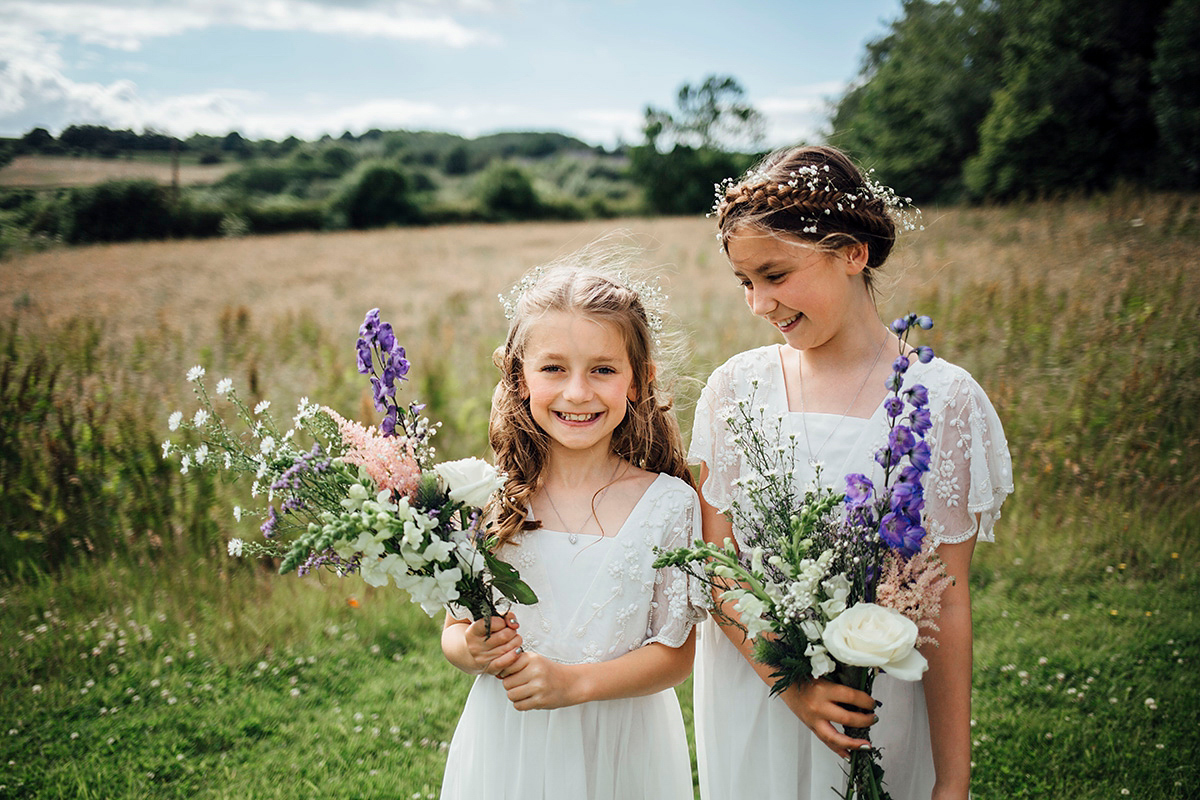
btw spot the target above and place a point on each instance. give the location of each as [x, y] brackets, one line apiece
[573, 538]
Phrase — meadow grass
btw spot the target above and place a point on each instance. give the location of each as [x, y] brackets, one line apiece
[143, 662]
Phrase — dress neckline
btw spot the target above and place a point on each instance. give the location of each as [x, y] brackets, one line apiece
[624, 523]
[781, 395]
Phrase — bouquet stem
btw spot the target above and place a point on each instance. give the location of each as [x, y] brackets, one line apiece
[864, 773]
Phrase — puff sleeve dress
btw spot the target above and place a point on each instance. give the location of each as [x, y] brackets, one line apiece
[752, 745]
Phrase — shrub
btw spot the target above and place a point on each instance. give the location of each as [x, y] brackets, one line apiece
[506, 193]
[118, 211]
[378, 195]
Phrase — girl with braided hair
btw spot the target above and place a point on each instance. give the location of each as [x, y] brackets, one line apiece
[578, 701]
[805, 233]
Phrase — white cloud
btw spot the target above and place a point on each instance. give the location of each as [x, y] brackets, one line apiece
[125, 24]
[800, 114]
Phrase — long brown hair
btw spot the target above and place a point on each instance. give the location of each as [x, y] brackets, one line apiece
[590, 283]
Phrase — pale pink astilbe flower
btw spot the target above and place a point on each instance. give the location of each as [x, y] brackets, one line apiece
[914, 587]
[389, 460]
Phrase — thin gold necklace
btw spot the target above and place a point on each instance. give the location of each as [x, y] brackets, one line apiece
[812, 455]
[573, 536]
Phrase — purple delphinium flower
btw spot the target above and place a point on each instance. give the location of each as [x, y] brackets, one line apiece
[924, 354]
[859, 490]
[901, 441]
[921, 456]
[920, 420]
[894, 406]
[901, 365]
[918, 395]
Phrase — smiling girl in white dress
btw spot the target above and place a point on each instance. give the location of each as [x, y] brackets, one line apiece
[574, 696]
[805, 234]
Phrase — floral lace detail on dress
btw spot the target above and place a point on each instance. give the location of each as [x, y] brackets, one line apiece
[603, 598]
[971, 471]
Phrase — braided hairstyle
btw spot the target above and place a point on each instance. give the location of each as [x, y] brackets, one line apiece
[813, 193]
[647, 437]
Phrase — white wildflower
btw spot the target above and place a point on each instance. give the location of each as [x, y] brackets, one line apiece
[262, 406]
[184, 464]
[195, 373]
[174, 420]
[166, 447]
[224, 386]
[267, 445]
[235, 547]
[237, 513]
[201, 454]
[200, 418]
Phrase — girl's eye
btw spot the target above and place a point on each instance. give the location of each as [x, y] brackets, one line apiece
[551, 368]
[606, 370]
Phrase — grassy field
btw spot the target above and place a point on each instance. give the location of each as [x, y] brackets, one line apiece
[140, 661]
[52, 172]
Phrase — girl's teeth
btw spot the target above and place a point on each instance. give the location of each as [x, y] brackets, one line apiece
[577, 417]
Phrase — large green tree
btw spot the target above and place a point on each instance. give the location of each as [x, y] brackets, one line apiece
[701, 142]
[913, 113]
[1073, 109]
[1176, 101]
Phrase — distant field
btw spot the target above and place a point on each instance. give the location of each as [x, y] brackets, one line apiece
[1078, 317]
[50, 172]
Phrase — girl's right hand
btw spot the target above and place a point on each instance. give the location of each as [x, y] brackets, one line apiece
[816, 703]
[493, 651]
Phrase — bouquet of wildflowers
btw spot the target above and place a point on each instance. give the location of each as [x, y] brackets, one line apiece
[840, 582]
[358, 500]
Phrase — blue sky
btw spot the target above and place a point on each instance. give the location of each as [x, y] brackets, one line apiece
[274, 68]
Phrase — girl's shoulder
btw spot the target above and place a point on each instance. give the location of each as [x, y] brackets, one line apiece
[746, 366]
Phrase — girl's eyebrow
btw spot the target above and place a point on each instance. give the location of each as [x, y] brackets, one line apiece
[759, 270]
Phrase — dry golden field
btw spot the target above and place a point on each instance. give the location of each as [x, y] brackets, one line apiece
[51, 172]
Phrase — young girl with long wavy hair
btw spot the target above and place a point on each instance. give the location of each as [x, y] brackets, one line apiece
[806, 233]
[574, 696]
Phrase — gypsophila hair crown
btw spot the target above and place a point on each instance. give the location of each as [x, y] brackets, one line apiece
[809, 192]
[649, 292]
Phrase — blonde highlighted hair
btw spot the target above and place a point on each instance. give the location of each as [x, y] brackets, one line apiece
[596, 283]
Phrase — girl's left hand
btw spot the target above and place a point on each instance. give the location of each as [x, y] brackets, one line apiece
[535, 682]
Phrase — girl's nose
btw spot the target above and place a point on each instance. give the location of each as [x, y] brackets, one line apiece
[760, 301]
[577, 389]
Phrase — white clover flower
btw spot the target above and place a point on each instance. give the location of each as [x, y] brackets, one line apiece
[200, 418]
[174, 420]
[224, 386]
[267, 445]
[262, 406]
[195, 373]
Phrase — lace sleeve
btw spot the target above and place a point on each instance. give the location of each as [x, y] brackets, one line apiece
[710, 435]
[971, 471]
[679, 601]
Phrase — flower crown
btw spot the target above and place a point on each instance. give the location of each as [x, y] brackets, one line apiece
[815, 179]
[648, 290]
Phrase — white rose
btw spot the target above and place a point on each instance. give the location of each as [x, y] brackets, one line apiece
[471, 481]
[868, 635]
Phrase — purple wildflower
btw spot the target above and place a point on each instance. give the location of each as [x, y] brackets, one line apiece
[859, 490]
[900, 365]
[918, 395]
[901, 442]
[268, 527]
[920, 420]
[894, 406]
[925, 323]
[924, 354]
[921, 455]
[370, 325]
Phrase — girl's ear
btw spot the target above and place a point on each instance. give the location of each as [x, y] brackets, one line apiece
[856, 256]
[651, 374]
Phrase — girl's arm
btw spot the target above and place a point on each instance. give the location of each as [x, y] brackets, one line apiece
[468, 645]
[948, 681]
[537, 682]
[815, 702]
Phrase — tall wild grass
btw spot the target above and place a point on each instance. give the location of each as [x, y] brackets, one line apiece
[141, 661]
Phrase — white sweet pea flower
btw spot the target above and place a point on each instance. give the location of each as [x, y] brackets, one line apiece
[751, 608]
[869, 635]
[819, 660]
[174, 420]
[438, 550]
[377, 571]
[224, 386]
[195, 373]
[471, 481]
[838, 588]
